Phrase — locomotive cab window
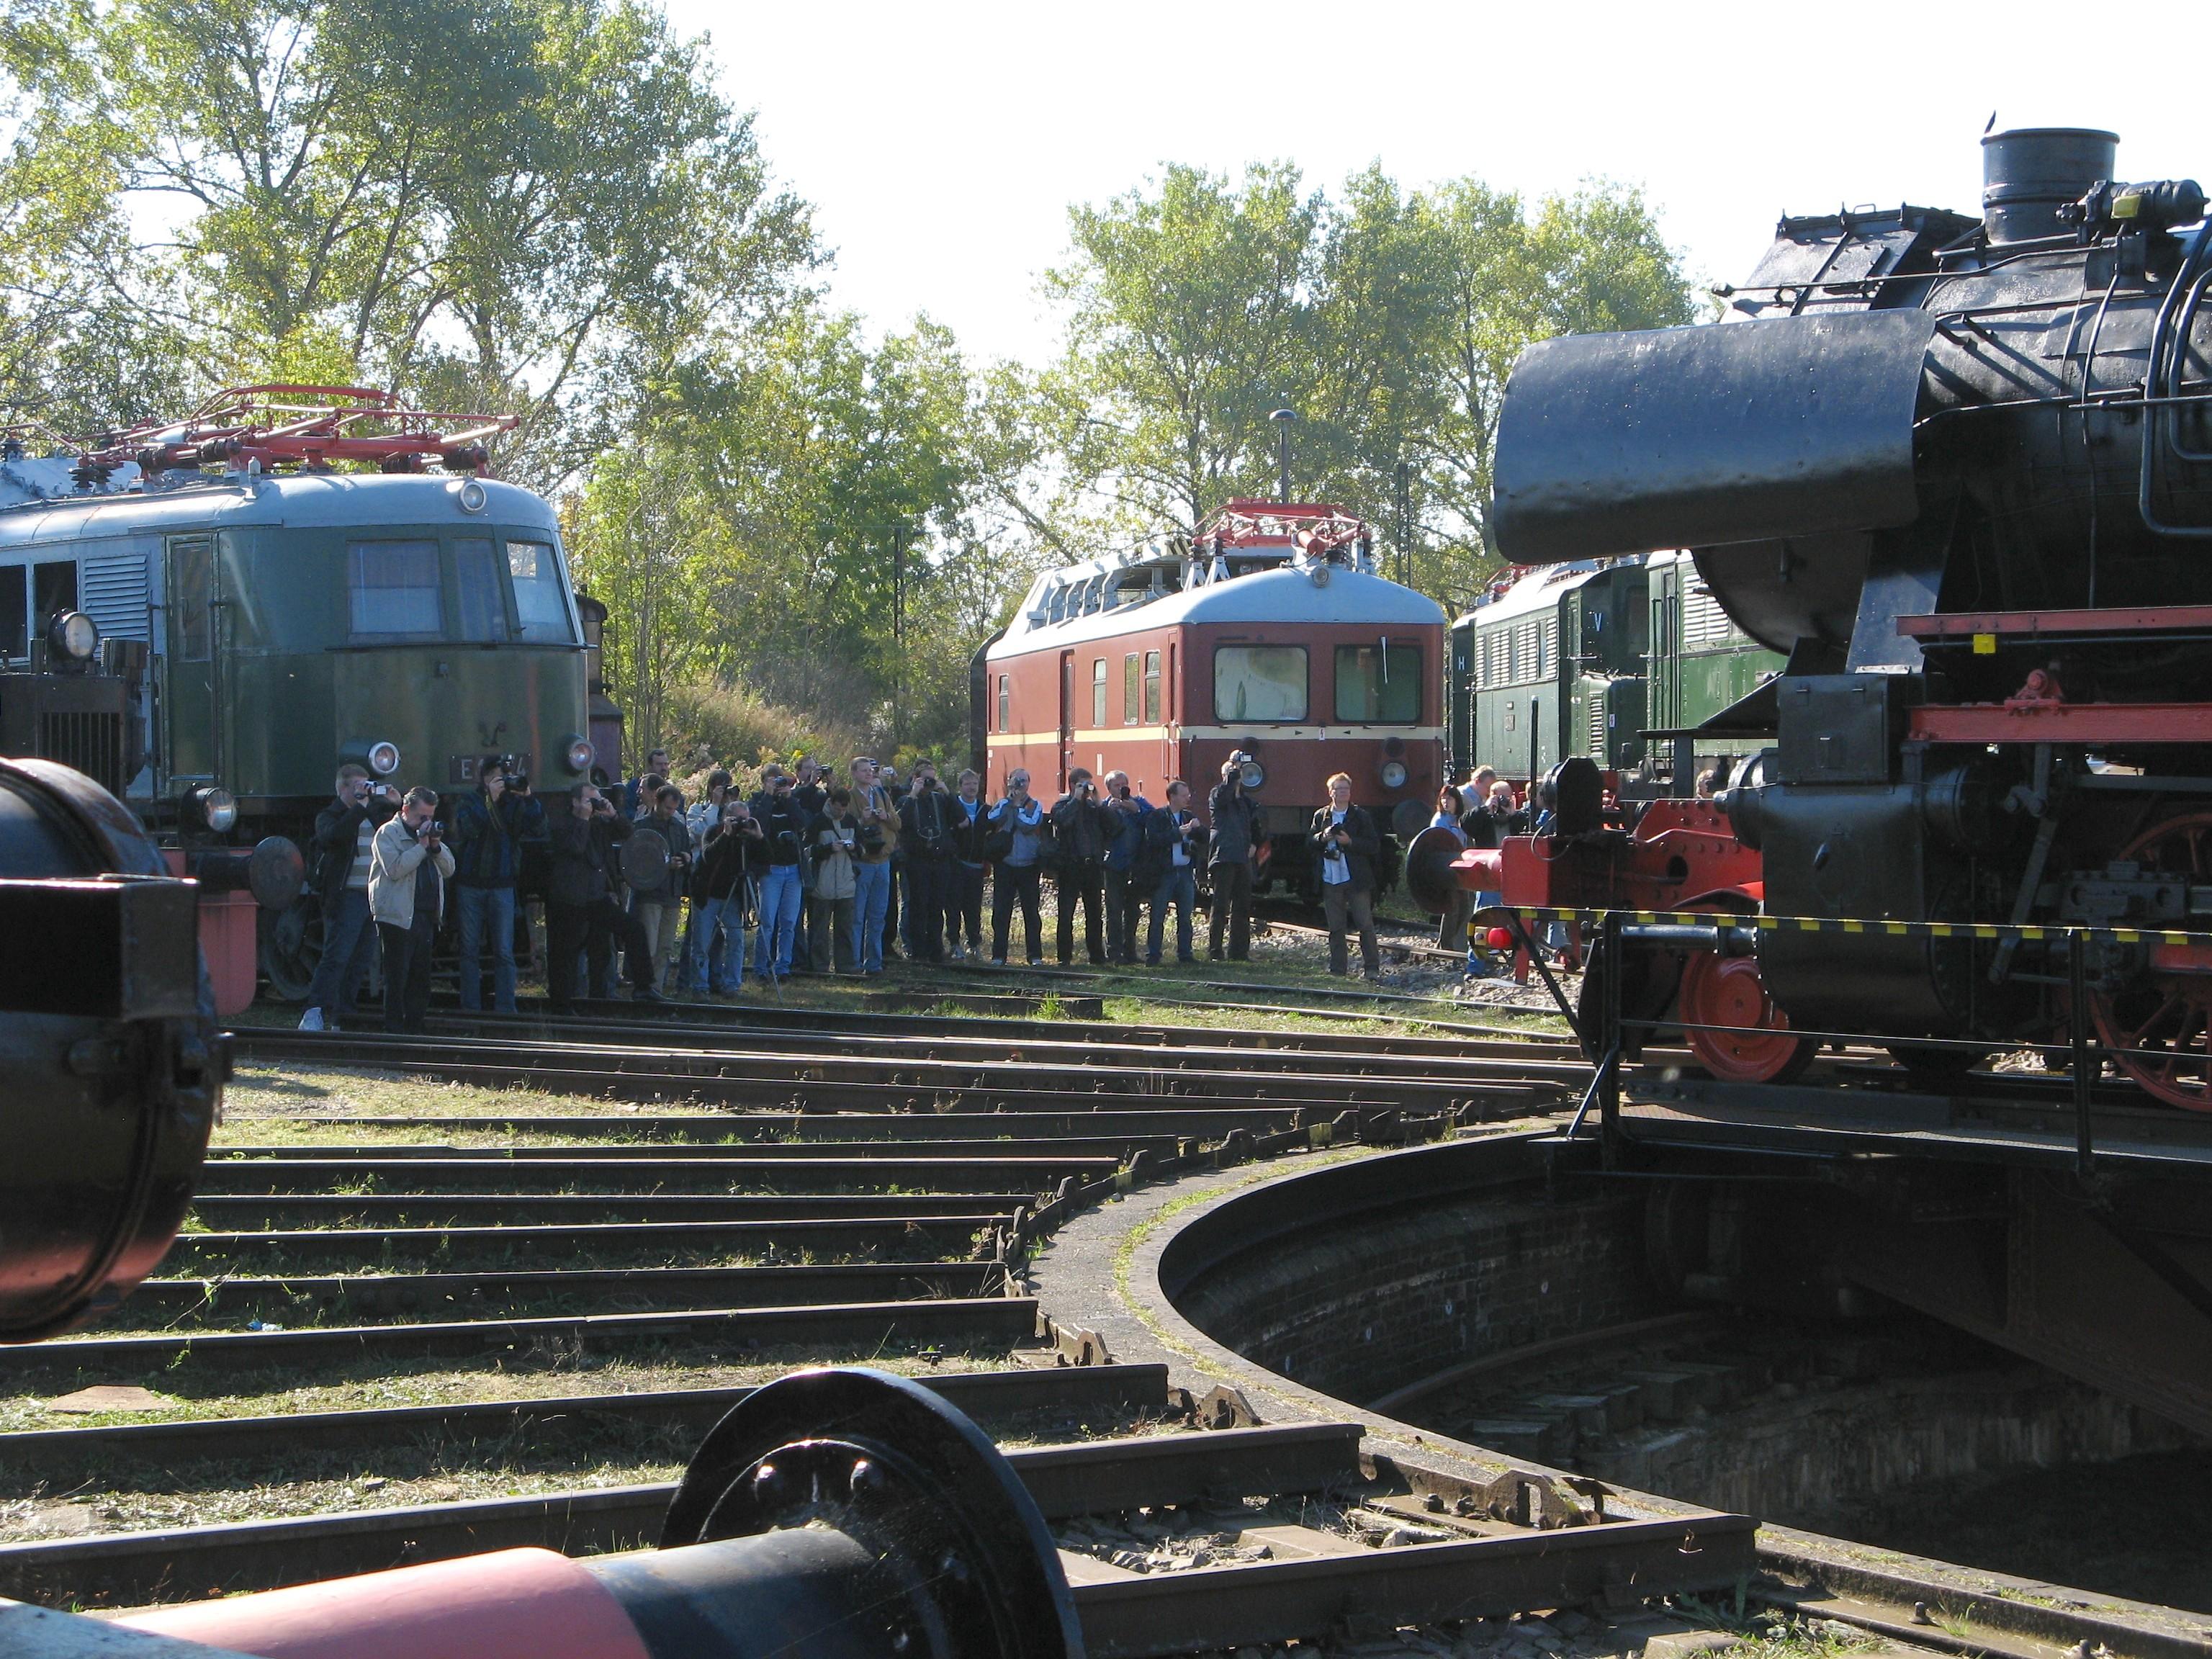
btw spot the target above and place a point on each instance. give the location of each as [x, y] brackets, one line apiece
[53, 588]
[1005, 701]
[14, 612]
[1097, 692]
[540, 596]
[1130, 705]
[1260, 683]
[1151, 687]
[392, 591]
[1378, 684]
[484, 601]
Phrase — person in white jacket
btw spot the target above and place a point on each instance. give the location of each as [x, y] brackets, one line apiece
[408, 866]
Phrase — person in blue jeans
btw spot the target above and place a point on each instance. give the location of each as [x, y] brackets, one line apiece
[489, 828]
[344, 832]
[729, 838]
[783, 839]
[1175, 846]
[878, 816]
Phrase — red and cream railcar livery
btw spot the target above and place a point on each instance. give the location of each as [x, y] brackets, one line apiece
[1271, 636]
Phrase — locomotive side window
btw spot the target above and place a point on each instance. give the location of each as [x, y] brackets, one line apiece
[14, 612]
[1005, 701]
[1097, 692]
[392, 591]
[541, 598]
[1130, 705]
[191, 561]
[483, 602]
[1260, 683]
[1151, 687]
[53, 588]
[1378, 684]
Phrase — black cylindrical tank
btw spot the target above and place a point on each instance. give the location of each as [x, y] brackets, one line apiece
[2030, 173]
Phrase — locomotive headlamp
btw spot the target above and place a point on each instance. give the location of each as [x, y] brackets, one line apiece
[383, 758]
[1394, 774]
[217, 809]
[579, 753]
[470, 494]
[1252, 774]
[73, 634]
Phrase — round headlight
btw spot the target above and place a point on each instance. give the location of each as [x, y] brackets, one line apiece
[579, 754]
[383, 758]
[218, 808]
[470, 494]
[73, 634]
[1253, 773]
[1394, 774]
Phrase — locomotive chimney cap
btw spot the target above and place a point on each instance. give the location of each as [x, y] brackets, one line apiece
[2029, 173]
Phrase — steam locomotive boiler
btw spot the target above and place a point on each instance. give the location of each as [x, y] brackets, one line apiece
[1960, 471]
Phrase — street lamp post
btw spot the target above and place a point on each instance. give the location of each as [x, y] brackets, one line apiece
[1406, 523]
[1282, 418]
[898, 634]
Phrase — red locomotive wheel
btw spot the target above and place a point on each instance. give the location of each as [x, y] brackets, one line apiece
[2156, 1028]
[1727, 991]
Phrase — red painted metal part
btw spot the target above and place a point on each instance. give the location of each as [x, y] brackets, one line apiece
[512, 1604]
[2029, 720]
[1680, 854]
[1313, 527]
[305, 425]
[230, 942]
[2006, 625]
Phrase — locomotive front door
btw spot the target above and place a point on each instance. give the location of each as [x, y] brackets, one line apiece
[188, 711]
[1066, 717]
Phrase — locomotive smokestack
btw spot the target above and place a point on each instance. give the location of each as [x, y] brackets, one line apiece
[2030, 173]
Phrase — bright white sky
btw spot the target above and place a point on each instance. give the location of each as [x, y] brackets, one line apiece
[942, 144]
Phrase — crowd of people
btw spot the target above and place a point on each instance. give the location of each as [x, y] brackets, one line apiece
[813, 872]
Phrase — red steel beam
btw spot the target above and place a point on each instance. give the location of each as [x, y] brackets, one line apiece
[2065, 722]
[2139, 619]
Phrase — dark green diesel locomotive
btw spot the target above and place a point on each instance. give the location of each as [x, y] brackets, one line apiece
[1648, 652]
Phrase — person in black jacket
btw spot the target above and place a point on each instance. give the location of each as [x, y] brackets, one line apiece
[1235, 830]
[581, 914]
[925, 837]
[490, 829]
[1345, 840]
[1082, 825]
[964, 874]
[1174, 848]
[783, 833]
[729, 838]
[344, 832]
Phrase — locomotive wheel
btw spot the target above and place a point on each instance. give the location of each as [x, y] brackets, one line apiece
[291, 948]
[2158, 1028]
[1719, 990]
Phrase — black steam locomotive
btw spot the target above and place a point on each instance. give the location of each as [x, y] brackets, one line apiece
[1961, 470]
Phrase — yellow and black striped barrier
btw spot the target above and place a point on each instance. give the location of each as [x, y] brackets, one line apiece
[1764, 924]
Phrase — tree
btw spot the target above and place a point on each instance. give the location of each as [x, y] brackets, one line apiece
[1185, 329]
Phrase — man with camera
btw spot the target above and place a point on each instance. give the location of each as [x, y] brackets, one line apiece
[728, 836]
[1235, 842]
[783, 839]
[491, 825]
[1014, 843]
[637, 792]
[1175, 842]
[963, 872]
[1345, 837]
[408, 866]
[343, 852]
[1127, 813]
[581, 914]
[926, 835]
[878, 816]
[1081, 825]
[658, 908]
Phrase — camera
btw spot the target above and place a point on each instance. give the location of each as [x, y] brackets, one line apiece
[872, 839]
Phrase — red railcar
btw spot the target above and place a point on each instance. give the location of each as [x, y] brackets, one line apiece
[1272, 635]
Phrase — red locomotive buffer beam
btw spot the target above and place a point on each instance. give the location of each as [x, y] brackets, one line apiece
[2039, 713]
[310, 426]
[1681, 855]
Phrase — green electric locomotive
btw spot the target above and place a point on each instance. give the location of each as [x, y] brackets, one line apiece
[210, 619]
[1650, 657]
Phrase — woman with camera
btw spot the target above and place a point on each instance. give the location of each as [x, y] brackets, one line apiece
[1345, 837]
[832, 842]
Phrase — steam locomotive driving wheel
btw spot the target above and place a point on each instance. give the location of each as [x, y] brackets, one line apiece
[1733, 1025]
[2158, 1027]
